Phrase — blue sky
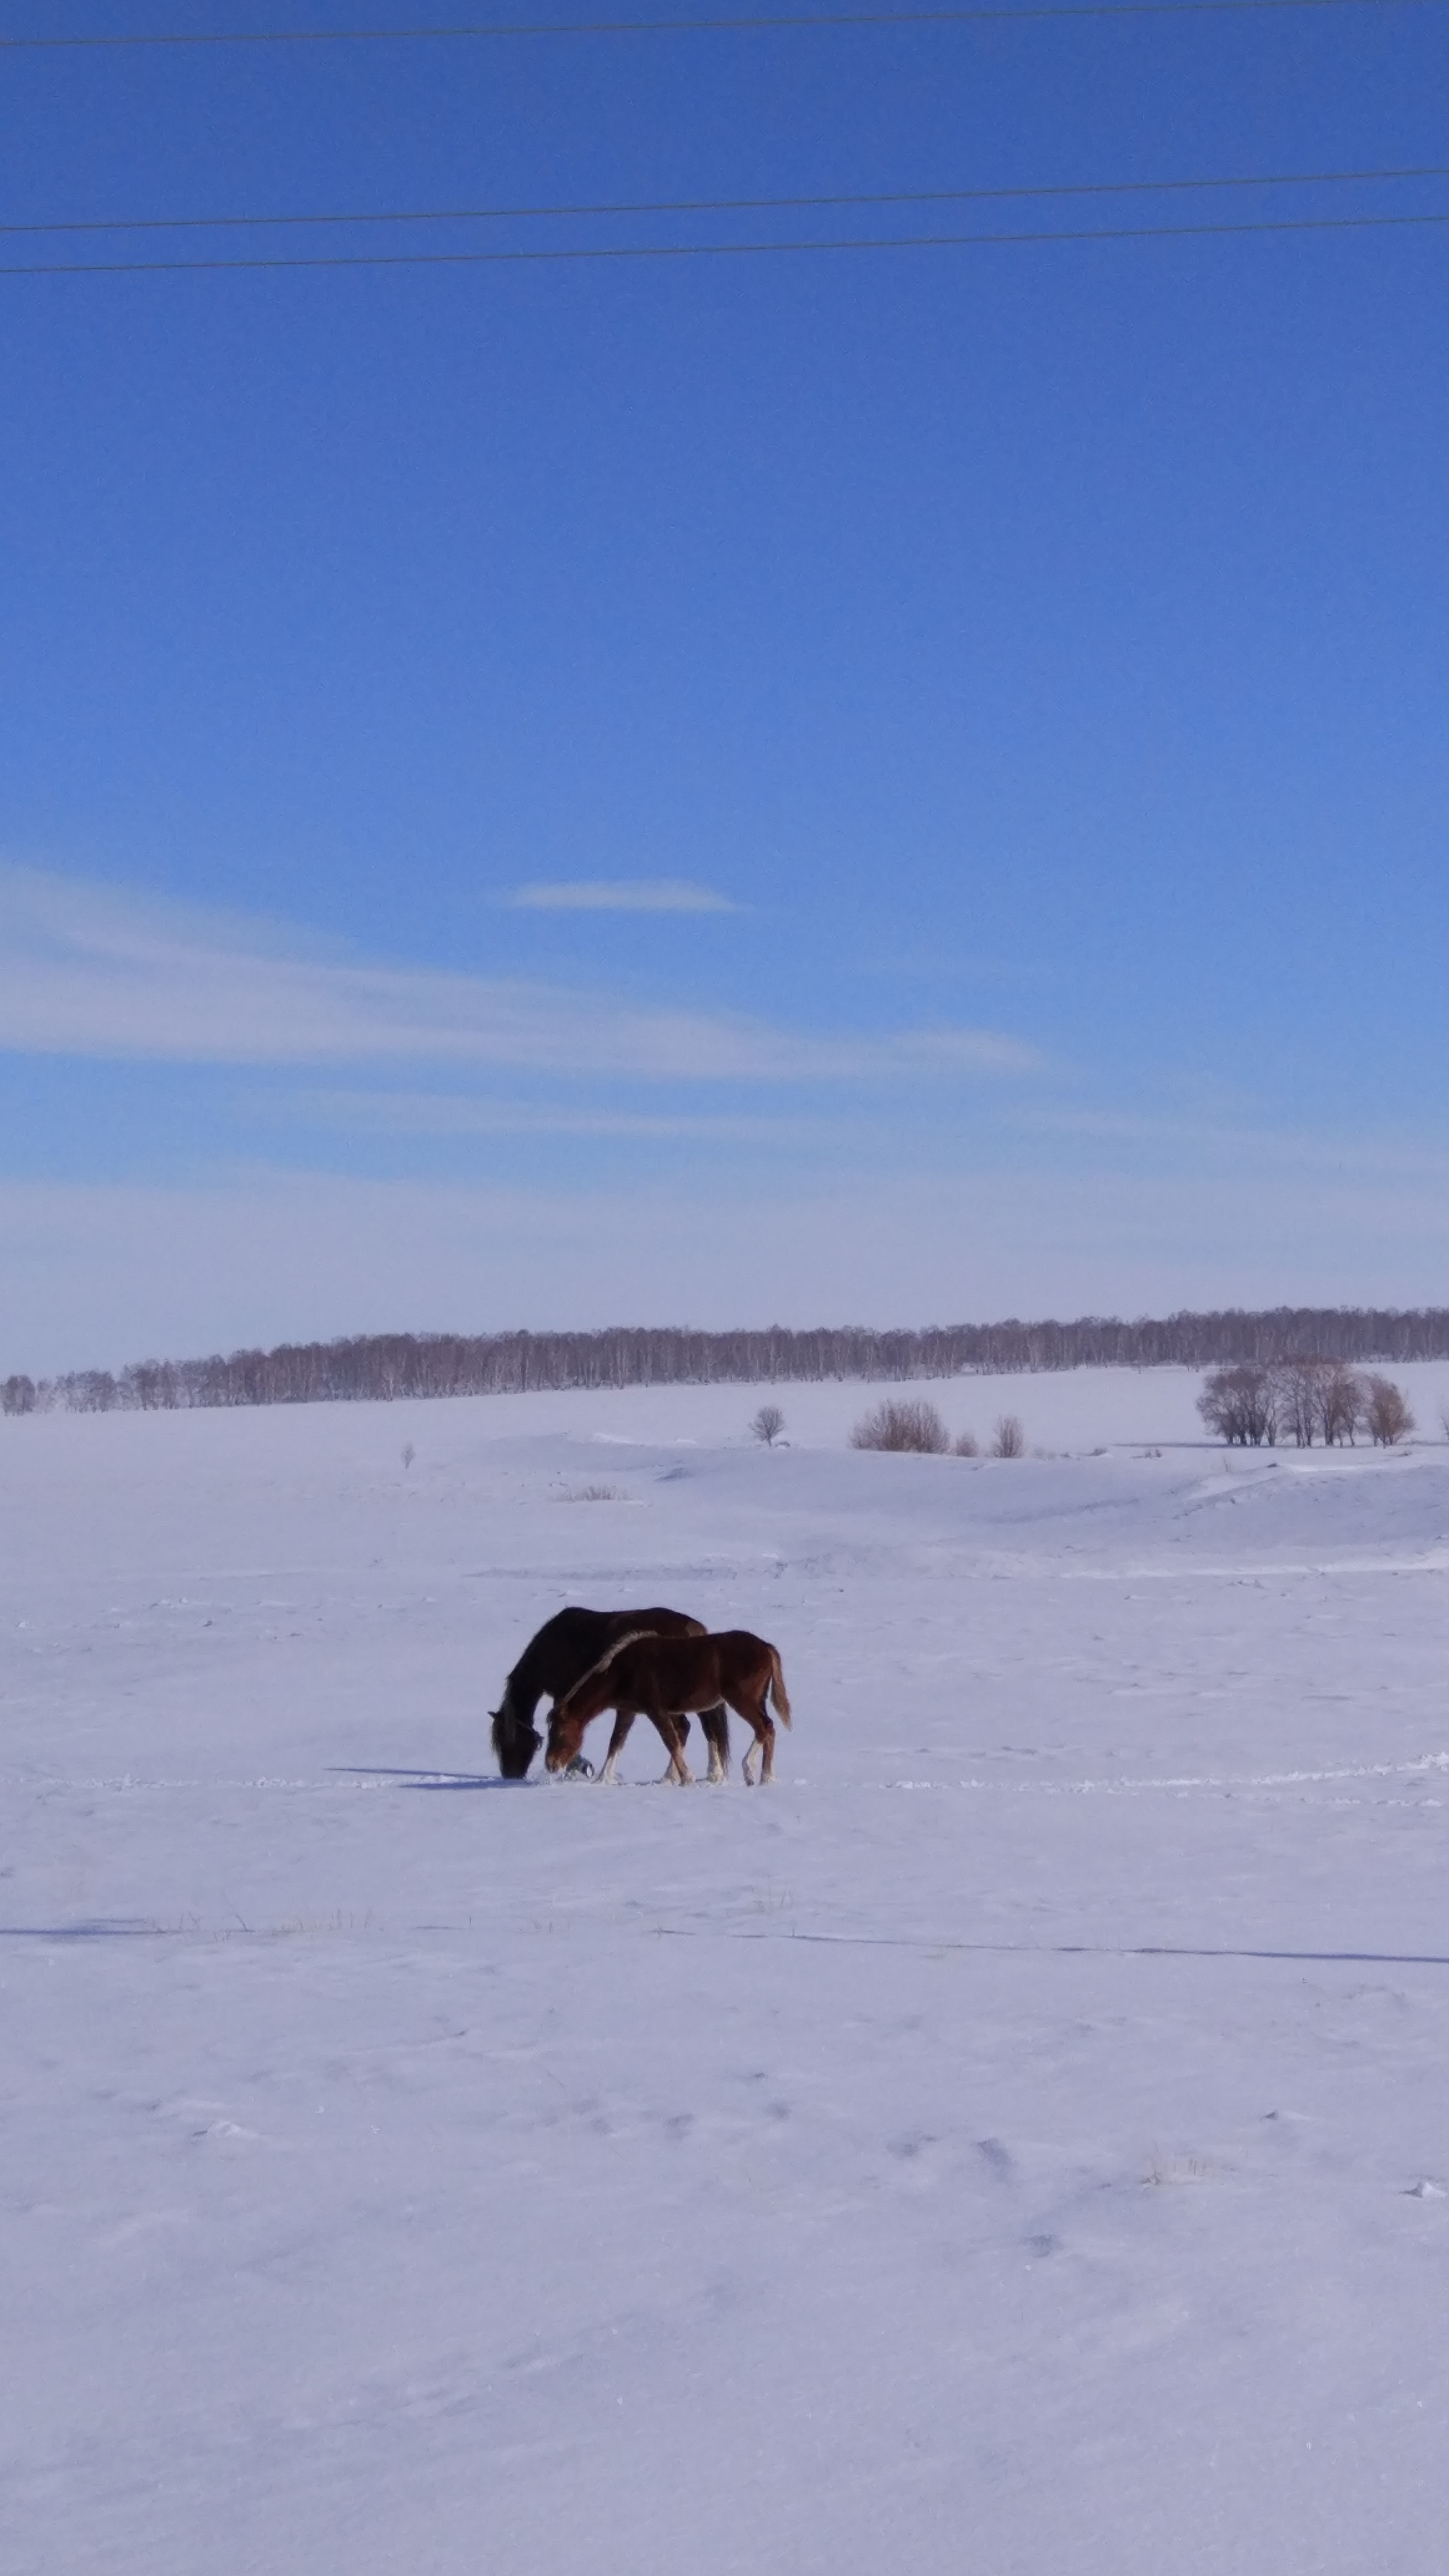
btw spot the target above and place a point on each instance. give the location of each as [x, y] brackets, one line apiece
[892, 786]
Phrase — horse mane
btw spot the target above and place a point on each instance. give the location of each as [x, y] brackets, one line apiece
[617, 1648]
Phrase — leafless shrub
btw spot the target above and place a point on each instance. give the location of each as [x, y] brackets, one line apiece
[1241, 1405]
[966, 1445]
[1386, 1412]
[895, 1424]
[409, 1453]
[17, 1395]
[1162, 2170]
[1008, 1440]
[768, 1424]
[596, 1494]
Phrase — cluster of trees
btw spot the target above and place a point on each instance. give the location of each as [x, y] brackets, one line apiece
[898, 1423]
[1303, 1399]
[382, 1365]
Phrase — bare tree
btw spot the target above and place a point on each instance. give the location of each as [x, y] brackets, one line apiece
[1240, 1405]
[768, 1424]
[897, 1425]
[17, 1395]
[1008, 1439]
[90, 1391]
[1386, 1412]
[1342, 1397]
[1298, 1388]
[966, 1445]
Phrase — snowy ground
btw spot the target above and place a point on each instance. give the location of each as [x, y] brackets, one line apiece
[1017, 2142]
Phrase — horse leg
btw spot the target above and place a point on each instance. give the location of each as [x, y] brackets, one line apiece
[682, 1772]
[677, 1729]
[715, 1728]
[672, 1737]
[623, 1720]
[755, 1714]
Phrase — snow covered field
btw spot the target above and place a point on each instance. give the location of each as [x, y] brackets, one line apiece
[1019, 2142]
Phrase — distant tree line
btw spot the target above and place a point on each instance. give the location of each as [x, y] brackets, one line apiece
[1303, 1399]
[376, 1366]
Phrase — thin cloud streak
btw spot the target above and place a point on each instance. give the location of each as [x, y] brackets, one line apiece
[1379, 1157]
[85, 971]
[621, 894]
[429, 1113]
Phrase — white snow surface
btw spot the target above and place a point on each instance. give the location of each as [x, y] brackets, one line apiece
[1017, 2141]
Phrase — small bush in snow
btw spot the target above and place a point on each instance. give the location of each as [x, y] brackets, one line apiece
[966, 1445]
[1008, 1439]
[896, 1424]
[768, 1424]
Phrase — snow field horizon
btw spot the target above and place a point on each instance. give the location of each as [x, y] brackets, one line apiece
[1061, 1409]
[1021, 2137]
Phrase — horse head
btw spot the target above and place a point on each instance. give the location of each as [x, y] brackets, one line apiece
[515, 1740]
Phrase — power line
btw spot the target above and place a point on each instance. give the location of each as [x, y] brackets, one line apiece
[715, 250]
[688, 26]
[732, 205]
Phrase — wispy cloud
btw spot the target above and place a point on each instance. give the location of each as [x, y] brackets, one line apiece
[88, 971]
[1380, 1156]
[620, 894]
[432, 1113]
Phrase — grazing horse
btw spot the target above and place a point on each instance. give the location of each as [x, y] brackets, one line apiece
[662, 1678]
[565, 1648]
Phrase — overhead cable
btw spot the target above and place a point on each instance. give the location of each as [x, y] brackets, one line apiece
[730, 205]
[685, 26]
[714, 250]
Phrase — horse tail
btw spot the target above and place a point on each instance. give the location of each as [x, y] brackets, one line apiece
[617, 1648]
[777, 1690]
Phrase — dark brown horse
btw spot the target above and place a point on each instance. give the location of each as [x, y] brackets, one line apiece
[565, 1648]
[661, 1678]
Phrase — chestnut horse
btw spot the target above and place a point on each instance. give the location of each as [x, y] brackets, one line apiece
[664, 1677]
[565, 1648]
